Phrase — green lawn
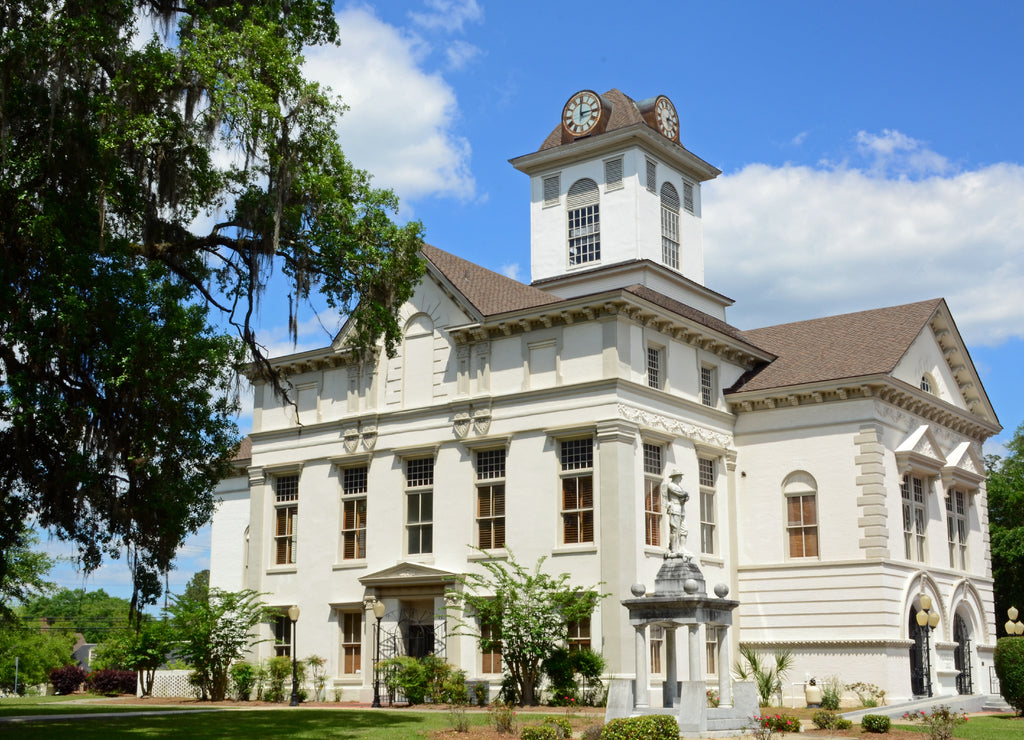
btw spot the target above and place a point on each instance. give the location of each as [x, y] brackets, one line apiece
[285, 722]
[989, 727]
[22, 705]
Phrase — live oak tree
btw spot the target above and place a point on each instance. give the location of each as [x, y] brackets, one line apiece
[1006, 526]
[151, 183]
[523, 613]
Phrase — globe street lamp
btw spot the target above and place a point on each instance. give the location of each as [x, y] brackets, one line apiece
[293, 614]
[927, 621]
[1013, 626]
[378, 612]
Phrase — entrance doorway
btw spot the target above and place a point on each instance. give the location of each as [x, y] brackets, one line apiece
[962, 655]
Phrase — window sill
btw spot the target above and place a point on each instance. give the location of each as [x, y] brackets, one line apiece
[584, 549]
[350, 564]
[281, 569]
[426, 558]
[655, 551]
[355, 679]
[498, 553]
[711, 560]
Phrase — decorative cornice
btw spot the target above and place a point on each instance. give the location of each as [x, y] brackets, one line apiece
[853, 644]
[676, 427]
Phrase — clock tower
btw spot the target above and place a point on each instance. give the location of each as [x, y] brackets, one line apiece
[615, 201]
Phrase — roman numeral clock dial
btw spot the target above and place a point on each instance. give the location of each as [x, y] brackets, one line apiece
[581, 113]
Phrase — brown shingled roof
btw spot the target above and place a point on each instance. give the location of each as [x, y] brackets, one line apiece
[244, 450]
[624, 113]
[689, 312]
[487, 291]
[836, 347]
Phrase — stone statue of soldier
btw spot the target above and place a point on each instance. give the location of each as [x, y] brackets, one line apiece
[675, 500]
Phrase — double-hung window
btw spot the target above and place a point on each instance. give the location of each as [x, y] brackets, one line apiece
[579, 634]
[711, 649]
[915, 516]
[707, 478]
[351, 642]
[653, 466]
[956, 528]
[353, 513]
[490, 499]
[655, 366]
[282, 635]
[584, 212]
[286, 512]
[708, 383]
[419, 505]
[491, 654]
[657, 638]
[577, 478]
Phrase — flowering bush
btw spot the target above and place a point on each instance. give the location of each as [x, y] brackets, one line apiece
[764, 726]
[869, 694]
[503, 716]
[712, 698]
[940, 722]
[877, 723]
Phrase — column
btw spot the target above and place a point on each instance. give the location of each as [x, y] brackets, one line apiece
[640, 692]
[724, 679]
[694, 650]
[670, 693]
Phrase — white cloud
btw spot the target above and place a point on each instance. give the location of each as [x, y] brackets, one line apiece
[461, 53]
[799, 139]
[895, 153]
[448, 15]
[796, 242]
[510, 270]
[400, 122]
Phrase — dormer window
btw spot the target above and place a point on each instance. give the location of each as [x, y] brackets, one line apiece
[670, 226]
[926, 383]
[584, 223]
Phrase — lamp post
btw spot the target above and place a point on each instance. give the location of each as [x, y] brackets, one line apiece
[1013, 626]
[378, 612]
[293, 614]
[927, 621]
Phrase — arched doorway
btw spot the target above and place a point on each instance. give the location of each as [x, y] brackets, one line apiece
[962, 655]
[919, 668]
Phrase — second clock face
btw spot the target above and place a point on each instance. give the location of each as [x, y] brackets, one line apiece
[667, 118]
[581, 113]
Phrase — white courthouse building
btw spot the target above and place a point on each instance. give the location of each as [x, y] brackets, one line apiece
[834, 465]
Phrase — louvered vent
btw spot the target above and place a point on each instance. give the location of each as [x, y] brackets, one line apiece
[613, 173]
[551, 187]
[688, 197]
[652, 176]
[582, 193]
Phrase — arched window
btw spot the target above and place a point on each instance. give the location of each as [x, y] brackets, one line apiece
[801, 494]
[584, 223]
[927, 384]
[670, 226]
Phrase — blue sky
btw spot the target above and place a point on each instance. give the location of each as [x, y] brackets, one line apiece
[871, 152]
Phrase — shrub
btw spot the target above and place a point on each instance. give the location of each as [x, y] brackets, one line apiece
[481, 693]
[869, 694]
[593, 732]
[940, 722]
[538, 732]
[279, 670]
[831, 693]
[878, 723]
[778, 723]
[318, 675]
[66, 680]
[826, 719]
[561, 725]
[503, 716]
[712, 697]
[1009, 661]
[458, 716]
[243, 678]
[111, 682]
[647, 727]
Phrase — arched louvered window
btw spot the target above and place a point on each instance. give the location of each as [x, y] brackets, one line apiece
[584, 222]
[670, 226]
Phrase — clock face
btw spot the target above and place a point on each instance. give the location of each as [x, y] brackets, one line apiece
[581, 113]
[667, 118]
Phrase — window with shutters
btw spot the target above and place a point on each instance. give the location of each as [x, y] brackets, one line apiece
[490, 499]
[579, 634]
[282, 627]
[552, 190]
[706, 470]
[801, 494]
[956, 528]
[670, 226]
[613, 174]
[915, 516]
[351, 642]
[652, 176]
[419, 505]
[353, 513]
[657, 639]
[577, 479]
[708, 386]
[286, 512]
[688, 197]
[653, 465]
[583, 203]
[655, 363]
[491, 654]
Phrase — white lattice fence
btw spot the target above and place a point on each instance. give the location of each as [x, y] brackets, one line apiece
[171, 684]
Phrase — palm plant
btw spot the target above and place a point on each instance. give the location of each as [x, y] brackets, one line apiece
[767, 678]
